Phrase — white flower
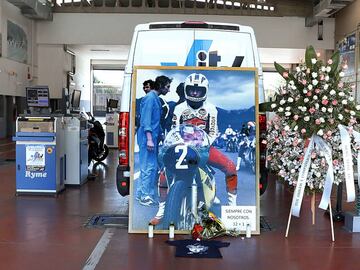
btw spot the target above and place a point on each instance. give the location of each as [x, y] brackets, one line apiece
[341, 94]
[326, 86]
[323, 69]
[341, 74]
[298, 69]
[357, 107]
[313, 60]
[328, 68]
[290, 99]
[344, 101]
[315, 97]
[287, 113]
[352, 113]
[318, 174]
[314, 74]
[322, 120]
[292, 171]
[281, 109]
[310, 87]
[332, 92]
[340, 116]
[323, 109]
[273, 105]
[324, 97]
[320, 132]
[291, 82]
[286, 128]
[282, 102]
[293, 87]
[351, 98]
[327, 78]
[306, 100]
[305, 91]
[330, 109]
[315, 82]
[288, 108]
[303, 109]
[306, 118]
[296, 128]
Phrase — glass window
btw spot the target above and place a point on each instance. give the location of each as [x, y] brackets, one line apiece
[107, 84]
[272, 82]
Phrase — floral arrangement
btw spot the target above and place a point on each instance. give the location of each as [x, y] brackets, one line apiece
[286, 151]
[313, 101]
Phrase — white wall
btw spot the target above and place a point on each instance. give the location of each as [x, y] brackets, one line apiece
[13, 75]
[117, 29]
[54, 64]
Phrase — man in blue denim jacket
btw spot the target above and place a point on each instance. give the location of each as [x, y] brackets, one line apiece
[148, 137]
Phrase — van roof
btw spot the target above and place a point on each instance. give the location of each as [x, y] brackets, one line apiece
[194, 25]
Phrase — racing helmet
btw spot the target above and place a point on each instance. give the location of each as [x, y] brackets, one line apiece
[196, 87]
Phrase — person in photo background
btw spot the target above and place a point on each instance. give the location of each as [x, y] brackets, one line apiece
[148, 135]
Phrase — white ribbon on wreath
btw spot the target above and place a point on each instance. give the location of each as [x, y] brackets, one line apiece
[326, 150]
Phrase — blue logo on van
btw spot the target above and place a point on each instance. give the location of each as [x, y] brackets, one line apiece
[199, 55]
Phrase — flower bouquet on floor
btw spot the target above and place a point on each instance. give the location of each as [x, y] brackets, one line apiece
[312, 140]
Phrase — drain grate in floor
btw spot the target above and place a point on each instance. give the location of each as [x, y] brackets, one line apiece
[264, 225]
[107, 220]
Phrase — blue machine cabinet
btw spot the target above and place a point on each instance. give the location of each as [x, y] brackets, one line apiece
[39, 155]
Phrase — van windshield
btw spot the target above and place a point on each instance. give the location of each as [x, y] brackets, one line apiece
[186, 47]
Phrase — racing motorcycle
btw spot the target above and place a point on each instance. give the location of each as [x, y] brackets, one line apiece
[184, 156]
[231, 144]
[98, 150]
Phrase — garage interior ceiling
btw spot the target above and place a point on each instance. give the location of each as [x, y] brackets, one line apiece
[311, 9]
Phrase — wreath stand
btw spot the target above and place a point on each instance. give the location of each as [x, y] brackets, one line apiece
[313, 218]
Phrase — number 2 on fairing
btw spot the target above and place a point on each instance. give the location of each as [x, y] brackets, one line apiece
[183, 149]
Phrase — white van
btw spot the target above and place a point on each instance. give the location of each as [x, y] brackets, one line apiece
[182, 44]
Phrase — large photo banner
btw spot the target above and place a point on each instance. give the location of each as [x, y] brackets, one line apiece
[195, 145]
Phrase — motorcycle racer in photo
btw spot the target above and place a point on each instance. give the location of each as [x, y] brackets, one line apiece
[199, 112]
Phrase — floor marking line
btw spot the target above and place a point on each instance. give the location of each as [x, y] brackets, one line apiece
[99, 250]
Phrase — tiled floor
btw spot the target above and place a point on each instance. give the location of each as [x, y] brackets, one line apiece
[38, 232]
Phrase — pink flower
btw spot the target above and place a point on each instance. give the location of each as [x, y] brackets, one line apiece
[317, 90]
[283, 92]
[277, 140]
[330, 61]
[269, 157]
[285, 74]
[303, 130]
[301, 158]
[313, 155]
[304, 82]
[325, 136]
[322, 77]
[341, 84]
[308, 71]
[312, 110]
[264, 142]
[325, 101]
[283, 132]
[317, 121]
[323, 162]
[352, 121]
[309, 94]
[334, 102]
[276, 127]
[350, 130]
[329, 133]
[331, 121]
[296, 117]
[335, 162]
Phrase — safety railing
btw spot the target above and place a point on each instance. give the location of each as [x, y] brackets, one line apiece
[221, 7]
